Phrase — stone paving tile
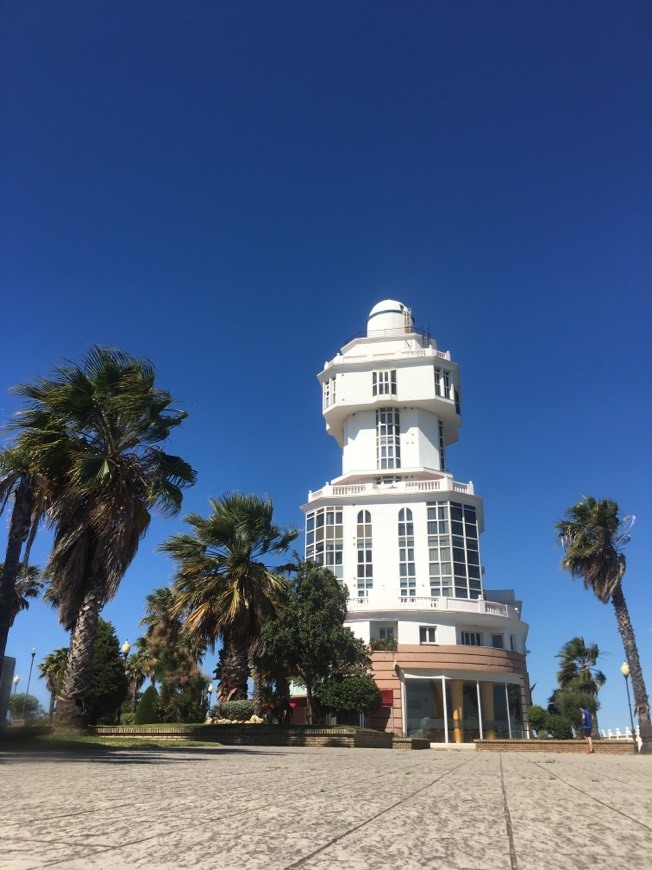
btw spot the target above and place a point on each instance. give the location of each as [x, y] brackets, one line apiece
[312, 808]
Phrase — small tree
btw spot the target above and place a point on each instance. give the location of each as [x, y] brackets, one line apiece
[567, 702]
[308, 636]
[108, 688]
[23, 706]
[538, 719]
[148, 706]
[348, 696]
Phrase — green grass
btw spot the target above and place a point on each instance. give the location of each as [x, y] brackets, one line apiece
[56, 743]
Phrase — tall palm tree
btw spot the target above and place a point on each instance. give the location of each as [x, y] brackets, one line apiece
[224, 583]
[593, 535]
[53, 669]
[97, 429]
[29, 492]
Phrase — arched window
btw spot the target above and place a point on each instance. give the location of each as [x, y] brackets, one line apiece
[406, 564]
[365, 560]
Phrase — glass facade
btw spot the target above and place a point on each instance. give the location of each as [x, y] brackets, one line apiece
[454, 550]
[446, 710]
[324, 538]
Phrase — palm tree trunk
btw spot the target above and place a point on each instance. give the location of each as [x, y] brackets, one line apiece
[21, 520]
[71, 713]
[258, 681]
[641, 702]
[233, 669]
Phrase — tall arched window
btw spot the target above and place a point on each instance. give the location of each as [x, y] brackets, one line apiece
[406, 564]
[365, 562]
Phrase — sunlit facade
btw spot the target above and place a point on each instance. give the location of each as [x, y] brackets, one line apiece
[404, 537]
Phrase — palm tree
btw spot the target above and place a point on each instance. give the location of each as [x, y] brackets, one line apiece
[29, 493]
[97, 429]
[53, 669]
[578, 666]
[224, 586]
[578, 671]
[29, 584]
[136, 670]
[593, 534]
[166, 637]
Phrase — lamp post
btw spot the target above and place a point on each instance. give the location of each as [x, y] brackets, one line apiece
[209, 689]
[124, 649]
[29, 680]
[624, 670]
[16, 681]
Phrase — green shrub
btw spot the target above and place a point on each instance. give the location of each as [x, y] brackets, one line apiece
[351, 694]
[559, 727]
[128, 718]
[147, 712]
[538, 719]
[388, 644]
[238, 711]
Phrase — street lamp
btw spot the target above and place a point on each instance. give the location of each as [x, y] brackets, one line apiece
[16, 681]
[124, 649]
[29, 680]
[624, 670]
[209, 689]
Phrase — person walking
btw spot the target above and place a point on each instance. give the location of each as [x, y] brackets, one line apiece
[587, 727]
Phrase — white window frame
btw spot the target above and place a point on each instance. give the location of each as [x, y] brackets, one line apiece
[427, 634]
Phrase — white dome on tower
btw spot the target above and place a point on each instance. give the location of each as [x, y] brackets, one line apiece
[389, 316]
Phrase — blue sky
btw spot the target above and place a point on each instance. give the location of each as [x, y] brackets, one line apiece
[228, 189]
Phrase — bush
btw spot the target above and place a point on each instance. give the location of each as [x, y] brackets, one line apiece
[538, 719]
[559, 727]
[388, 644]
[147, 712]
[352, 694]
[128, 718]
[238, 711]
[27, 707]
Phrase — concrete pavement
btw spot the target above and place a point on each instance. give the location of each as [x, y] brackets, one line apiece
[285, 808]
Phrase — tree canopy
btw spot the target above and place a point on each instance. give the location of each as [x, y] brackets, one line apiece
[308, 636]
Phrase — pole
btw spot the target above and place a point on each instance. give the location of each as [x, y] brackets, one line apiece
[631, 717]
[29, 680]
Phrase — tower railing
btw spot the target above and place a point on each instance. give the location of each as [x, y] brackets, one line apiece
[444, 484]
[396, 355]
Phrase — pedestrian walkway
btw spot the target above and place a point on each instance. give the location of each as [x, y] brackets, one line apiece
[285, 808]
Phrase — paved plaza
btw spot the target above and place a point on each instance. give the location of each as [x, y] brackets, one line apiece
[235, 808]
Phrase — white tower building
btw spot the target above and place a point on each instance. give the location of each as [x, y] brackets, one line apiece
[403, 536]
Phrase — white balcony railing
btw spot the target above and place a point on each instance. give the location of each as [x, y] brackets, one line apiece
[442, 602]
[444, 484]
[402, 354]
